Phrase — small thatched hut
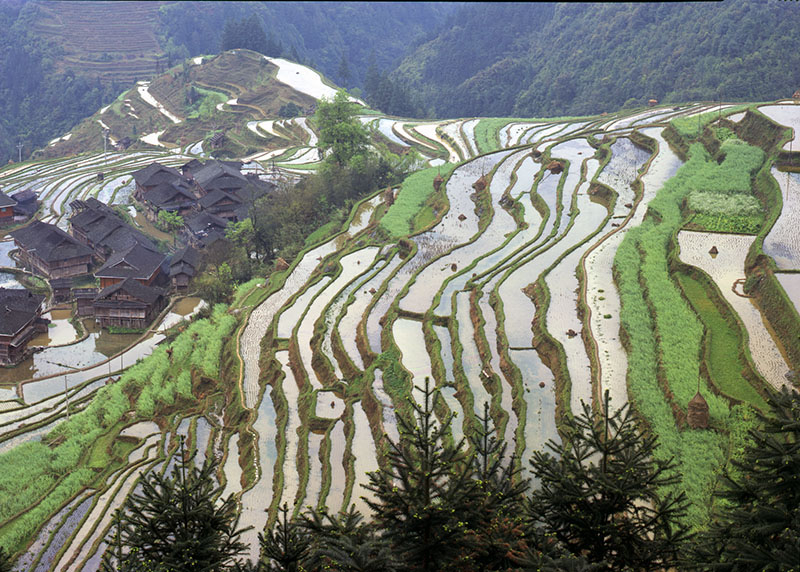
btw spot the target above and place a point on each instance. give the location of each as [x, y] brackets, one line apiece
[697, 414]
[388, 196]
[555, 167]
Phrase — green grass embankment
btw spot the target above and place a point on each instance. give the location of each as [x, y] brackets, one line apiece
[663, 334]
[410, 213]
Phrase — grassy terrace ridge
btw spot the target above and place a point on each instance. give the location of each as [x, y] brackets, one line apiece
[664, 335]
[77, 453]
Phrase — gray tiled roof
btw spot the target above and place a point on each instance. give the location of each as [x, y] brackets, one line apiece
[17, 308]
[49, 242]
[6, 201]
[135, 262]
[146, 294]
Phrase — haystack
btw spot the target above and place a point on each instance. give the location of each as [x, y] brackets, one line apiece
[555, 167]
[437, 182]
[281, 265]
[388, 196]
[480, 184]
[697, 414]
[713, 251]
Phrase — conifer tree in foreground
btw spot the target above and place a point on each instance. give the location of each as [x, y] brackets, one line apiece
[6, 564]
[420, 498]
[286, 545]
[760, 530]
[495, 523]
[175, 525]
[346, 543]
[602, 495]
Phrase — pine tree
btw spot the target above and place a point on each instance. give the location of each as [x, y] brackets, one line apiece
[423, 492]
[285, 546]
[174, 524]
[761, 528]
[602, 494]
[496, 525]
[345, 543]
[6, 563]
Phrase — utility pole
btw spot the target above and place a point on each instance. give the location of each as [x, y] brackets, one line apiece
[19, 148]
[66, 396]
[105, 144]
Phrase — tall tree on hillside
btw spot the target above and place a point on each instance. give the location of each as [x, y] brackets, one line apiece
[344, 72]
[340, 131]
[760, 530]
[601, 494]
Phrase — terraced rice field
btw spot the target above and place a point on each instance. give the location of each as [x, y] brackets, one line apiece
[511, 298]
[725, 268]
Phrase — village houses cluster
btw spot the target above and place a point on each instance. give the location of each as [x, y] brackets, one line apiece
[132, 277]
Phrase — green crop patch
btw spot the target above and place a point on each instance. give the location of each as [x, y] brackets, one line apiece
[413, 193]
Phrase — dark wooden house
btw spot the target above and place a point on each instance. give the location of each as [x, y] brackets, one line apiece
[20, 320]
[183, 267]
[151, 176]
[137, 262]
[128, 304]
[100, 228]
[203, 228]
[174, 197]
[7, 205]
[219, 175]
[84, 301]
[49, 251]
[27, 203]
[61, 288]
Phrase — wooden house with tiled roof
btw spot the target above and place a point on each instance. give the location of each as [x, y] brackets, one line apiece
[20, 320]
[49, 251]
[128, 304]
[182, 268]
[100, 228]
[151, 176]
[7, 205]
[137, 263]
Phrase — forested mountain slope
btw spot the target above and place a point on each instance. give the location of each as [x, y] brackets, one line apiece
[62, 61]
[321, 34]
[546, 59]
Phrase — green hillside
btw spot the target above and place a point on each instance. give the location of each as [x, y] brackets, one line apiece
[550, 59]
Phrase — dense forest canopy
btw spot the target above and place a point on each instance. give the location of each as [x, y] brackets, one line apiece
[524, 60]
[38, 103]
